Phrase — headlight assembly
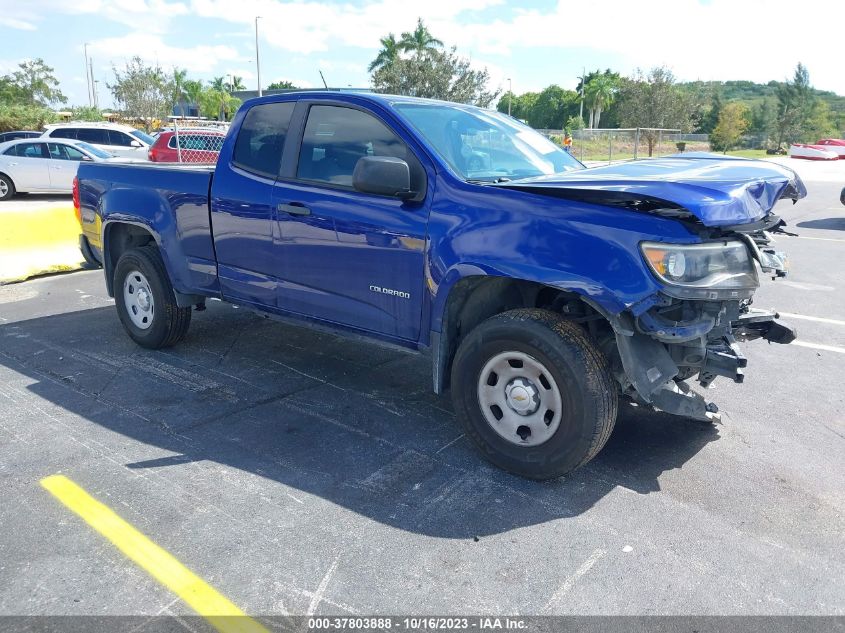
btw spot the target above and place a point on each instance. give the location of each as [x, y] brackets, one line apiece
[712, 270]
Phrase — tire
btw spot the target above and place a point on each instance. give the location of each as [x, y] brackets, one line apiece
[7, 187]
[537, 363]
[145, 300]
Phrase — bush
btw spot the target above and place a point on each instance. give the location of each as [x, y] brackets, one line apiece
[24, 117]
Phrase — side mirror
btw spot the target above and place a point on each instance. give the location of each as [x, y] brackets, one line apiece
[383, 175]
[135, 144]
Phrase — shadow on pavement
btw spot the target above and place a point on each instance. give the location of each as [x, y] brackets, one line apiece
[830, 224]
[353, 423]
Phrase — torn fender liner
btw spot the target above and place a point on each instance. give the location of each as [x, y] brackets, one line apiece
[646, 362]
[718, 191]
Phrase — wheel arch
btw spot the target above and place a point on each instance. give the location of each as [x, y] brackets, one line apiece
[475, 297]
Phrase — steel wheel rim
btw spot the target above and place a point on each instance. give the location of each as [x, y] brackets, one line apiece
[519, 398]
[4, 187]
[138, 299]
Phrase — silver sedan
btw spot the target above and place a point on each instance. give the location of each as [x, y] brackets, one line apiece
[30, 165]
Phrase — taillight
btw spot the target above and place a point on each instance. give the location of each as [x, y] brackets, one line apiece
[76, 206]
[151, 155]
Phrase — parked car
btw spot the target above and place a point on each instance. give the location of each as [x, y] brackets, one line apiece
[34, 165]
[13, 136]
[545, 291]
[118, 140]
[194, 146]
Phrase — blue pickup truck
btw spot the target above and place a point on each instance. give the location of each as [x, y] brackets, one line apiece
[544, 291]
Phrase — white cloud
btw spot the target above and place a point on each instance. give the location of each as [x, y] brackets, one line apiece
[16, 23]
[152, 49]
[154, 15]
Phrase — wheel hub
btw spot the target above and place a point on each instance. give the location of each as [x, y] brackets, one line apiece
[143, 299]
[138, 299]
[522, 396]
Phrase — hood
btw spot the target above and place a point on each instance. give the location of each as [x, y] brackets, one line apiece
[717, 190]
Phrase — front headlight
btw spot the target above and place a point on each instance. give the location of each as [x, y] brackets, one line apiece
[712, 270]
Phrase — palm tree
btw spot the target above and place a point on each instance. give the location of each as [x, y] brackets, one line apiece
[193, 91]
[388, 54]
[237, 84]
[178, 82]
[419, 41]
[218, 83]
[600, 92]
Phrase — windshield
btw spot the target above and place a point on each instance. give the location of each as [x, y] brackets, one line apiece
[486, 145]
[142, 136]
[94, 151]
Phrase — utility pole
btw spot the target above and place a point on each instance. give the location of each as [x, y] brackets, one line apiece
[583, 78]
[257, 63]
[510, 95]
[96, 97]
[87, 77]
[93, 85]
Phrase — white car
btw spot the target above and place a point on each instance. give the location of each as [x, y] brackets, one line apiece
[36, 164]
[118, 140]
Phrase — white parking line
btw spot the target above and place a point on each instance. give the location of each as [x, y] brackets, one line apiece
[821, 239]
[811, 318]
[825, 348]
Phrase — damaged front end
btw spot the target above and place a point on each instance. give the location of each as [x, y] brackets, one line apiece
[693, 326]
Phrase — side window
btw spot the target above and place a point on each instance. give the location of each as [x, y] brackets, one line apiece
[119, 138]
[64, 132]
[93, 135]
[64, 152]
[261, 139]
[336, 138]
[30, 150]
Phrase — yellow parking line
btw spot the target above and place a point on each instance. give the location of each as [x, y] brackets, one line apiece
[222, 614]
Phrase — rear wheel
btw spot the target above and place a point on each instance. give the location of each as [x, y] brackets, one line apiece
[534, 393]
[7, 187]
[145, 300]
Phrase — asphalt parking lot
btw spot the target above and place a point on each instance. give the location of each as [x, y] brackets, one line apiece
[300, 473]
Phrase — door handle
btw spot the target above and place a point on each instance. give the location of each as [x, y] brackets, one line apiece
[295, 208]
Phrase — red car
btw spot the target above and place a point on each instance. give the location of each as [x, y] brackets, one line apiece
[195, 146]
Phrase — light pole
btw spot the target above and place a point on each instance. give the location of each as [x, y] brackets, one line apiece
[581, 108]
[510, 95]
[257, 63]
[88, 76]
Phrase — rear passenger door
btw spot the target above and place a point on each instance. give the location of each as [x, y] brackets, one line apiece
[242, 212]
[352, 258]
[28, 164]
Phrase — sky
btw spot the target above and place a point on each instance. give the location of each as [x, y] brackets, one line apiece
[533, 43]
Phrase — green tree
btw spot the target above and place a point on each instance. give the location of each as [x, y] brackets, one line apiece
[142, 92]
[733, 121]
[236, 83]
[820, 124]
[177, 87]
[599, 93]
[435, 74]
[520, 104]
[23, 116]
[35, 83]
[419, 41]
[219, 84]
[654, 101]
[389, 53]
[710, 118]
[86, 113]
[282, 85]
[762, 123]
[193, 92]
[218, 104]
[553, 107]
[795, 106]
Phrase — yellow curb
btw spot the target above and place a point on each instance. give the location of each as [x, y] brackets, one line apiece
[36, 242]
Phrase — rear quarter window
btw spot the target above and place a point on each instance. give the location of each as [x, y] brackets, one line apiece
[261, 139]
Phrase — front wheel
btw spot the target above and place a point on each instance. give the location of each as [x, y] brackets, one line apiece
[534, 393]
[145, 300]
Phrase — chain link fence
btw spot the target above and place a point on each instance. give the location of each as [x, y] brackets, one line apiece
[195, 141]
[608, 145]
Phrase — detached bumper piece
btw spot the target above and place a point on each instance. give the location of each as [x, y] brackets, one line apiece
[723, 359]
[763, 324]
